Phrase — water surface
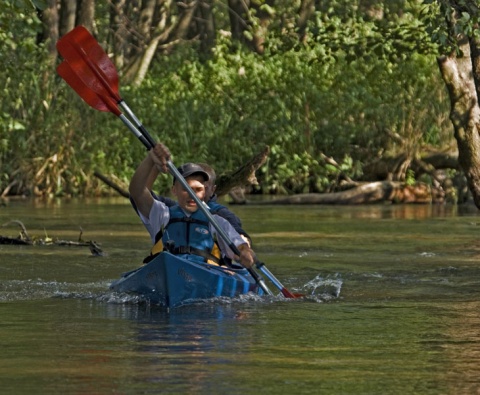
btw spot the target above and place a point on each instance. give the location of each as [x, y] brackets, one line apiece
[392, 306]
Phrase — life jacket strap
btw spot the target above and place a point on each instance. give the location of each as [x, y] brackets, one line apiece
[195, 251]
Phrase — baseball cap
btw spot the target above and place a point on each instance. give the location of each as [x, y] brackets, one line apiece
[188, 169]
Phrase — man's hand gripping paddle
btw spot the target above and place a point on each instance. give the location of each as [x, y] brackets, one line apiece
[91, 73]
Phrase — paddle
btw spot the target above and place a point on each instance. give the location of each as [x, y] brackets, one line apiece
[101, 102]
[90, 72]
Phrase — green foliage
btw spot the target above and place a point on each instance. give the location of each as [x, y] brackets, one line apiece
[303, 173]
[355, 90]
[461, 16]
[50, 141]
[225, 110]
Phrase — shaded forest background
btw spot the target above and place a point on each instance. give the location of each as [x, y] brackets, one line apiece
[342, 92]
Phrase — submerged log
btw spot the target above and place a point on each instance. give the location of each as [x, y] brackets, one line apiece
[24, 239]
[5, 240]
[375, 192]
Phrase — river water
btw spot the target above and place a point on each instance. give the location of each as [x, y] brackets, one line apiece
[392, 306]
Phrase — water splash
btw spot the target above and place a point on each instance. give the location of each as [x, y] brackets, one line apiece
[318, 290]
[323, 289]
[427, 254]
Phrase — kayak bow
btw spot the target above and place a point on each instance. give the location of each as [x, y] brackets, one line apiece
[171, 281]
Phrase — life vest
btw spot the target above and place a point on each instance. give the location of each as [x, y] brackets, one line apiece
[187, 236]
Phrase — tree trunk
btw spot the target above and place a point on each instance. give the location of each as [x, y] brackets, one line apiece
[264, 19]
[244, 175]
[145, 21]
[186, 12]
[205, 26]
[165, 34]
[457, 72]
[142, 63]
[86, 14]
[305, 12]
[119, 33]
[142, 26]
[50, 35]
[385, 167]
[241, 14]
[68, 10]
[237, 9]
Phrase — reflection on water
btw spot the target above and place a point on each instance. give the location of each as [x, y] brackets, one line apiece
[462, 350]
[405, 212]
[391, 307]
[178, 347]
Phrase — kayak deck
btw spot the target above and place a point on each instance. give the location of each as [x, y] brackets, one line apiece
[172, 281]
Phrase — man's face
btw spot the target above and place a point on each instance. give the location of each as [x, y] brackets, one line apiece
[184, 200]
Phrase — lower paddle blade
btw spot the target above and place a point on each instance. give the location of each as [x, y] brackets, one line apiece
[101, 103]
[291, 295]
[89, 62]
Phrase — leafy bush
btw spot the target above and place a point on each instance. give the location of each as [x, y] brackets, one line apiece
[224, 110]
[328, 97]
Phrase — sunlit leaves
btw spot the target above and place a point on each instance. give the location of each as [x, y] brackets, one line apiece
[447, 19]
[356, 79]
[226, 109]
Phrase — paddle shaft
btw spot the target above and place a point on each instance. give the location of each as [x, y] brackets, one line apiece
[142, 134]
[261, 266]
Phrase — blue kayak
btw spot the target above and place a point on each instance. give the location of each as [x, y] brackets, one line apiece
[171, 281]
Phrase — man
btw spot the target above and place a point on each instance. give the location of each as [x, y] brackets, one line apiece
[210, 199]
[172, 225]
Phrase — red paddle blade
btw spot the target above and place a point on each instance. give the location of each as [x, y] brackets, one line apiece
[290, 295]
[89, 62]
[89, 96]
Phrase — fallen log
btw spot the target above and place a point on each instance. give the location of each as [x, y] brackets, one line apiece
[369, 193]
[112, 184]
[243, 176]
[233, 184]
[386, 168]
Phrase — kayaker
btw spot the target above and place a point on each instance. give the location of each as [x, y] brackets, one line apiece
[171, 225]
[211, 199]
